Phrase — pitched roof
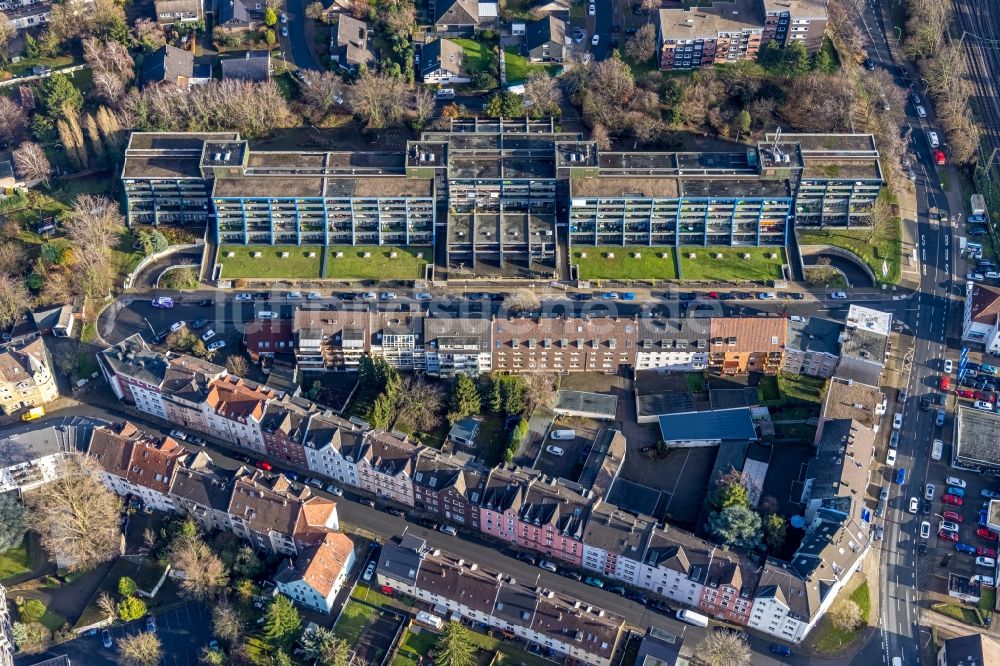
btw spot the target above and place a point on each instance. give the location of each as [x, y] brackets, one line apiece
[319, 565]
[389, 454]
[255, 66]
[168, 64]
[132, 358]
[442, 54]
[268, 503]
[238, 399]
[985, 304]
[542, 31]
[131, 454]
[457, 12]
[350, 38]
[20, 364]
[233, 10]
[748, 334]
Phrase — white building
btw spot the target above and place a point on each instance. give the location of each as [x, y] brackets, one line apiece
[386, 465]
[135, 374]
[981, 318]
[674, 566]
[614, 541]
[318, 573]
[26, 378]
[332, 451]
[679, 345]
[33, 458]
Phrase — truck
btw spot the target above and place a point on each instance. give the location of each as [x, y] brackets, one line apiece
[977, 204]
[697, 619]
[33, 414]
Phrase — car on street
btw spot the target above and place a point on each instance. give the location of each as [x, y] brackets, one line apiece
[593, 581]
[579, 36]
[915, 97]
[944, 383]
[594, 40]
[947, 536]
[206, 303]
[393, 511]
[939, 418]
[986, 533]
[628, 296]
[952, 500]
[199, 324]
[243, 297]
[926, 507]
[781, 650]
[965, 548]
[334, 490]
[901, 396]
[922, 548]
[929, 491]
[986, 551]
[914, 505]
[989, 494]
[984, 515]
[883, 494]
[547, 565]
[947, 525]
[985, 580]
[984, 406]
[570, 573]
[890, 458]
[975, 277]
[954, 481]
[897, 421]
[218, 344]
[555, 450]
[869, 64]
[197, 441]
[448, 529]
[207, 335]
[179, 435]
[264, 465]
[953, 516]
[177, 325]
[284, 31]
[387, 296]
[921, 112]
[163, 302]
[313, 296]
[948, 365]
[925, 402]
[767, 296]
[610, 296]
[106, 638]
[966, 393]
[955, 490]
[879, 532]
[839, 296]
[369, 571]
[925, 529]
[591, 10]
[986, 562]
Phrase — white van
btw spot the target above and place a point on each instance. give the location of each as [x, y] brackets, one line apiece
[563, 434]
[697, 619]
[937, 449]
[932, 138]
[445, 93]
[973, 247]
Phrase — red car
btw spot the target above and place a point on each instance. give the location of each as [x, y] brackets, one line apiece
[967, 393]
[948, 536]
[952, 499]
[264, 465]
[712, 294]
[952, 516]
[944, 383]
[987, 534]
[983, 551]
[939, 157]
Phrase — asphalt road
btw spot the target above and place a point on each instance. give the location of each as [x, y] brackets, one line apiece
[296, 44]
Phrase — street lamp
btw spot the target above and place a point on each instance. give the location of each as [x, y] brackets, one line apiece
[899, 33]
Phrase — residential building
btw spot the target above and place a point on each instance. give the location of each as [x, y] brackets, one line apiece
[316, 576]
[385, 466]
[332, 448]
[729, 586]
[252, 67]
[25, 14]
[233, 15]
[442, 62]
[837, 477]
[971, 650]
[26, 377]
[504, 490]
[555, 344]
[398, 337]
[739, 345]
[864, 345]
[186, 385]
[660, 648]
[674, 565]
[581, 634]
[234, 409]
[546, 40]
[456, 17]
[7, 645]
[465, 431]
[676, 345]
[551, 519]
[798, 20]
[853, 401]
[812, 347]
[202, 491]
[349, 44]
[330, 339]
[57, 321]
[283, 427]
[267, 337]
[981, 317]
[169, 12]
[458, 345]
[171, 65]
[445, 486]
[33, 458]
[614, 541]
[135, 373]
[133, 463]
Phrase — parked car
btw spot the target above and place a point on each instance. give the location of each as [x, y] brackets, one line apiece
[548, 566]
[244, 297]
[555, 450]
[953, 516]
[954, 490]
[952, 500]
[987, 533]
[890, 458]
[179, 435]
[925, 529]
[448, 529]
[218, 344]
[986, 562]
[947, 536]
[593, 581]
[989, 494]
[151, 624]
[177, 325]
[839, 296]
[197, 441]
[106, 638]
[334, 490]
[949, 365]
[955, 481]
[939, 418]
[897, 421]
[369, 571]
[264, 465]
[163, 302]
[985, 551]
[767, 296]
[570, 573]
[929, 491]
[199, 324]
[984, 406]
[965, 548]
[207, 335]
[948, 526]
[914, 505]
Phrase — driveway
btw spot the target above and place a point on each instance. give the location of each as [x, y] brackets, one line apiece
[297, 40]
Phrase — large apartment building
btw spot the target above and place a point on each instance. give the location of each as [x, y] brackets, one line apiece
[502, 189]
[26, 378]
[726, 32]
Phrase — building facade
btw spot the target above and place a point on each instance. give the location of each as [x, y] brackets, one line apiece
[26, 378]
[316, 576]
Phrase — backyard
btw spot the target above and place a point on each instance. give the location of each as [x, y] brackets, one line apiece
[477, 54]
[270, 264]
[759, 264]
[408, 264]
[415, 646]
[15, 561]
[491, 442]
[518, 68]
[871, 250]
[651, 264]
[830, 639]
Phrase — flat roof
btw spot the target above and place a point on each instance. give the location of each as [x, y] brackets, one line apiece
[977, 437]
[613, 186]
[712, 426]
[159, 166]
[869, 319]
[718, 17]
[582, 402]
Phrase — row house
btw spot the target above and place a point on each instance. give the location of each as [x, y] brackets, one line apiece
[398, 338]
[234, 408]
[458, 346]
[580, 633]
[614, 541]
[385, 466]
[283, 428]
[564, 344]
[132, 463]
[503, 493]
[186, 385]
[330, 340]
[266, 337]
[135, 373]
[332, 447]
[677, 345]
[728, 590]
[739, 345]
[552, 518]
[447, 488]
[675, 565]
[202, 491]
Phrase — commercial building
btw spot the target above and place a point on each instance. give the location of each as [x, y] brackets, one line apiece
[501, 188]
[976, 440]
[26, 377]
[727, 32]
[709, 428]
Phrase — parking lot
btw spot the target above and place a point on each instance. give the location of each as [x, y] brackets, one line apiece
[570, 463]
[183, 631]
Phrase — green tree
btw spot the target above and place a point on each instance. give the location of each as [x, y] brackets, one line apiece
[454, 647]
[52, 253]
[270, 17]
[281, 658]
[511, 394]
[127, 587]
[247, 563]
[152, 242]
[729, 491]
[823, 63]
[58, 95]
[504, 105]
[13, 521]
[744, 120]
[382, 411]
[483, 80]
[774, 528]
[33, 610]
[270, 36]
[212, 657]
[32, 49]
[131, 608]
[376, 372]
[322, 646]
[281, 620]
[494, 399]
[465, 400]
[736, 525]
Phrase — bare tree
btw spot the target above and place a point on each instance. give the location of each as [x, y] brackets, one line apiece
[72, 138]
[423, 105]
[14, 299]
[642, 45]
[142, 649]
[12, 258]
[543, 92]
[376, 98]
[821, 103]
[539, 390]
[236, 365]
[92, 225]
[321, 91]
[76, 517]
[13, 120]
[31, 162]
[57, 288]
[418, 403]
[107, 605]
[399, 17]
[204, 573]
[724, 649]
[846, 616]
[7, 33]
[650, 6]
[111, 131]
[314, 11]
[227, 623]
[149, 33]
[925, 28]
[599, 134]
[523, 300]
[109, 56]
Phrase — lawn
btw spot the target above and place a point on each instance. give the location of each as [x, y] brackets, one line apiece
[412, 647]
[695, 382]
[960, 613]
[353, 621]
[477, 55]
[354, 265]
[364, 592]
[769, 389]
[650, 265]
[270, 264]
[863, 599]
[828, 639]
[732, 267]
[492, 440]
[15, 561]
[25, 64]
[802, 388]
[872, 251]
[362, 401]
[987, 599]
[518, 68]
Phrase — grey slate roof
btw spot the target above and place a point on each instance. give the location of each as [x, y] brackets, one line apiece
[233, 10]
[131, 357]
[254, 66]
[457, 12]
[721, 424]
[402, 561]
[549, 29]
[814, 334]
[442, 54]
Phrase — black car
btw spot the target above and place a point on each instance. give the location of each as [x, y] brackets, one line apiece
[727, 296]
[393, 511]
[199, 323]
[926, 507]
[688, 296]
[796, 296]
[347, 296]
[616, 589]
[922, 548]
[569, 573]
[526, 557]
[496, 297]
[637, 597]
[206, 303]
[869, 64]
[583, 297]
[742, 635]
[476, 296]
[262, 296]
[661, 606]
[901, 396]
